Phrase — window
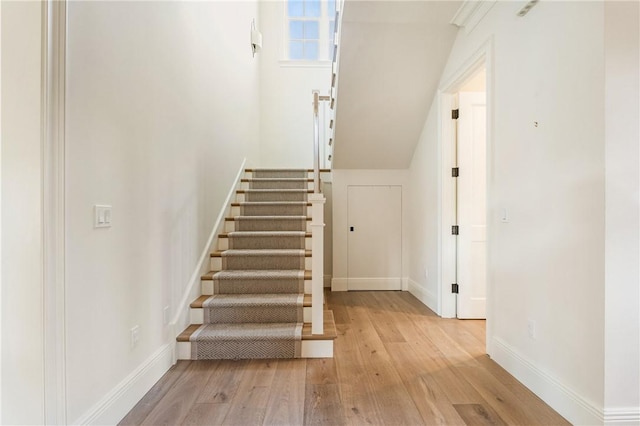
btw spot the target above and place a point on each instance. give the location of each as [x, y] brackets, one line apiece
[310, 29]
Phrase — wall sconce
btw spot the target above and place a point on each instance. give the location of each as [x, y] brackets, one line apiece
[256, 39]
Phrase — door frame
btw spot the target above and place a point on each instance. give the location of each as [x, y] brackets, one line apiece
[483, 57]
[54, 42]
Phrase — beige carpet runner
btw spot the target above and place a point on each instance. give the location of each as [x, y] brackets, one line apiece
[257, 307]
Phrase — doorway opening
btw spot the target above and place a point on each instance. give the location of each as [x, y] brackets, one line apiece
[465, 135]
[470, 197]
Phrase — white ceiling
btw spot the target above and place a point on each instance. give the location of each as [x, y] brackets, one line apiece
[392, 56]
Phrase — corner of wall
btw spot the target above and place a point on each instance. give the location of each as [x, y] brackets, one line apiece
[423, 294]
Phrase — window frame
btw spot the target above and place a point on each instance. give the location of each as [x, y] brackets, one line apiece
[325, 47]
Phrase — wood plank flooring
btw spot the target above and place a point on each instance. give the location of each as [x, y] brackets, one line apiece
[396, 363]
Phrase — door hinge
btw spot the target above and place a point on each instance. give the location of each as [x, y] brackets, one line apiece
[455, 172]
[454, 288]
[455, 113]
[455, 229]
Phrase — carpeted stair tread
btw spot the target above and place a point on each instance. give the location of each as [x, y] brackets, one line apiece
[262, 252]
[270, 208]
[265, 234]
[330, 331]
[271, 203]
[247, 341]
[247, 299]
[288, 170]
[253, 308]
[266, 239]
[275, 190]
[273, 194]
[262, 281]
[277, 179]
[277, 173]
[267, 259]
[273, 274]
[270, 223]
[278, 183]
[267, 218]
[234, 300]
[250, 331]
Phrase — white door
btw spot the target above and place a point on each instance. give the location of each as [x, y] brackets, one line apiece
[472, 206]
[374, 238]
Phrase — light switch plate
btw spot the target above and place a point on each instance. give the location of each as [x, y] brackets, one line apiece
[102, 216]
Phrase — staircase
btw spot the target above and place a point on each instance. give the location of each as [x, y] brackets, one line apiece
[256, 302]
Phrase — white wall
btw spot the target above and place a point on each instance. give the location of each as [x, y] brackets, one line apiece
[22, 271]
[286, 120]
[622, 255]
[342, 179]
[163, 106]
[423, 214]
[548, 263]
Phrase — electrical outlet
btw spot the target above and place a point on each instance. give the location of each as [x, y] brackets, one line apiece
[135, 336]
[531, 328]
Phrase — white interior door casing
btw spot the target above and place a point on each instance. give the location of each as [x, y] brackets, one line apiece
[472, 196]
[374, 237]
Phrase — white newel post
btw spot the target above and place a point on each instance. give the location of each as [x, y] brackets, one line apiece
[317, 201]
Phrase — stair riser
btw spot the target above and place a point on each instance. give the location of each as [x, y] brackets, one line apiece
[310, 349]
[274, 185]
[197, 316]
[269, 197]
[250, 175]
[223, 244]
[207, 287]
[269, 211]
[230, 226]
[260, 264]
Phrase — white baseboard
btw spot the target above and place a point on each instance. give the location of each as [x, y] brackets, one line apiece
[121, 399]
[560, 397]
[629, 416]
[387, 283]
[423, 295]
[194, 287]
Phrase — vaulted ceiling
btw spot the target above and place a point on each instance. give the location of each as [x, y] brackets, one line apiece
[392, 54]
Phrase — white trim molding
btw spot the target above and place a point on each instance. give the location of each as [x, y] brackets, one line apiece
[628, 416]
[471, 13]
[54, 29]
[183, 310]
[563, 399]
[122, 398]
[423, 295]
[483, 56]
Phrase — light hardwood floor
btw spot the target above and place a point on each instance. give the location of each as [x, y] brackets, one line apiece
[396, 363]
